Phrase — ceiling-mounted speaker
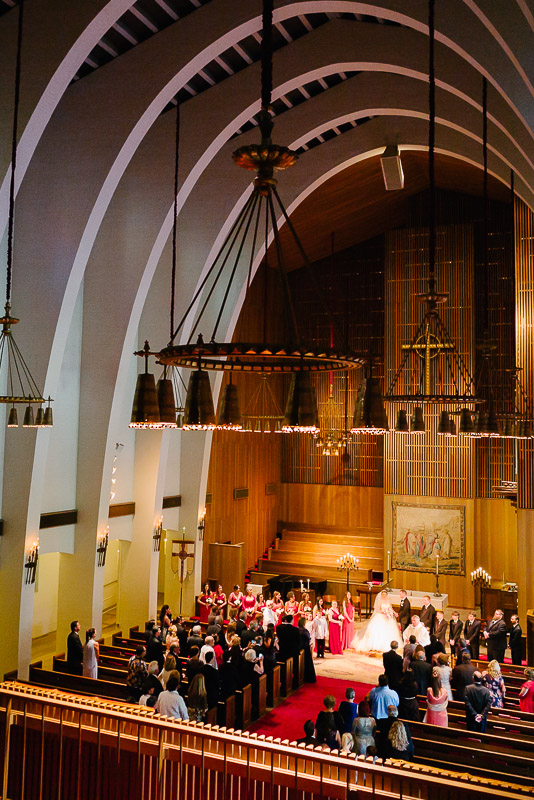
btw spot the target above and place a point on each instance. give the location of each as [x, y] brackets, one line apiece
[392, 168]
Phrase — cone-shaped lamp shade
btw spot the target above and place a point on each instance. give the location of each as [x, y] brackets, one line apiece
[28, 421]
[166, 404]
[13, 420]
[417, 421]
[39, 419]
[48, 418]
[466, 421]
[229, 413]
[145, 410]
[444, 427]
[301, 407]
[453, 428]
[369, 412]
[199, 414]
[401, 425]
[179, 420]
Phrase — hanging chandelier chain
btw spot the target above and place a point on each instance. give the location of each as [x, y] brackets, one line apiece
[485, 202]
[11, 217]
[431, 146]
[282, 268]
[267, 54]
[175, 218]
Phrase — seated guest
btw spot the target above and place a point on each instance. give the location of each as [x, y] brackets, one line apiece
[526, 693]
[362, 729]
[309, 733]
[195, 640]
[172, 638]
[211, 681]
[193, 665]
[408, 691]
[207, 647]
[347, 744]
[393, 665]
[477, 704]
[493, 680]
[309, 669]
[348, 709]
[137, 672]
[385, 725]
[422, 672]
[148, 697]
[168, 667]
[433, 649]
[437, 700]
[440, 628]
[329, 723]
[444, 673]
[170, 703]
[399, 743]
[418, 630]
[381, 696]
[153, 679]
[462, 676]
[408, 651]
[197, 702]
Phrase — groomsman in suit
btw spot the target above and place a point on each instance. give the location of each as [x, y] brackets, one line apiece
[405, 611]
[472, 635]
[427, 613]
[495, 636]
[515, 640]
[455, 632]
[440, 627]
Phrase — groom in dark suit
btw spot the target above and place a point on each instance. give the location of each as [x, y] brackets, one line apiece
[495, 636]
[405, 611]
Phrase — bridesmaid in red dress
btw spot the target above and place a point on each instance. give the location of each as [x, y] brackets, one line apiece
[249, 605]
[334, 629]
[278, 606]
[220, 601]
[235, 601]
[260, 603]
[305, 607]
[347, 633]
[205, 602]
[292, 607]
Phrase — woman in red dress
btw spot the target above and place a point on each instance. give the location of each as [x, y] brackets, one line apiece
[305, 607]
[278, 606]
[205, 601]
[235, 601]
[220, 601]
[347, 632]
[335, 618]
[249, 605]
[526, 693]
[292, 607]
[260, 603]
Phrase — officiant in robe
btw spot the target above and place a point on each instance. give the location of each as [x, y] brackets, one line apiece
[417, 629]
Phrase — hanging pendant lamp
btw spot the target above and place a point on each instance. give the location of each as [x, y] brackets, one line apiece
[417, 421]
[369, 412]
[28, 421]
[48, 416]
[145, 410]
[199, 414]
[401, 425]
[444, 427]
[466, 421]
[229, 413]
[166, 402]
[13, 420]
[301, 415]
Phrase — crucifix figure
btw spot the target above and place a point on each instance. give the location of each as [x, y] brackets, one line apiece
[428, 347]
[183, 555]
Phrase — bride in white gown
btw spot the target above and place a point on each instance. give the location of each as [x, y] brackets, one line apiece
[382, 628]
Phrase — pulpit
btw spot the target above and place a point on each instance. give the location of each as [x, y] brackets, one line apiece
[497, 597]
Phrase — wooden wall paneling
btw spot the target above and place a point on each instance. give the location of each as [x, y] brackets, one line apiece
[428, 465]
[342, 506]
[226, 564]
[496, 539]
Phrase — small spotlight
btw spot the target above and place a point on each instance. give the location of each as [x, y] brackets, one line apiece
[392, 168]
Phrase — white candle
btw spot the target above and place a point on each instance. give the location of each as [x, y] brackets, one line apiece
[389, 560]
[437, 566]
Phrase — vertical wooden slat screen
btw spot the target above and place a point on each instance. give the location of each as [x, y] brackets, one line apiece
[428, 465]
[524, 285]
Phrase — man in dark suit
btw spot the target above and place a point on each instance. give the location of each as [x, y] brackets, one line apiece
[440, 628]
[288, 641]
[154, 648]
[515, 640]
[241, 624]
[405, 610]
[426, 615]
[211, 680]
[472, 634]
[74, 649]
[309, 731]
[422, 672]
[455, 632]
[433, 648]
[393, 665]
[477, 704]
[495, 636]
[181, 633]
[195, 640]
[462, 677]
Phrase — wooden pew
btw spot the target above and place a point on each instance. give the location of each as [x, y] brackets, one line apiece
[262, 696]
[286, 677]
[59, 664]
[226, 714]
[273, 687]
[243, 707]
[301, 669]
[77, 683]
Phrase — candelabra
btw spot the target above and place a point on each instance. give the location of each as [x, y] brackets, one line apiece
[348, 564]
[480, 579]
[304, 588]
[102, 548]
[156, 538]
[31, 562]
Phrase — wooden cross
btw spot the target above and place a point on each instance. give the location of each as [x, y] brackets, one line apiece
[427, 347]
[182, 554]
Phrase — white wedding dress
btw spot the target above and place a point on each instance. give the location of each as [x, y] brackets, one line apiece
[380, 631]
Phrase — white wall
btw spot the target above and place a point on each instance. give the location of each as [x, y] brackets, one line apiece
[45, 605]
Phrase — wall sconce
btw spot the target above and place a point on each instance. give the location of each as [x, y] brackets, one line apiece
[156, 539]
[201, 525]
[31, 563]
[102, 547]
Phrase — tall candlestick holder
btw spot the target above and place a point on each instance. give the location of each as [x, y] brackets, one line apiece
[437, 593]
[348, 563]
[480, 580]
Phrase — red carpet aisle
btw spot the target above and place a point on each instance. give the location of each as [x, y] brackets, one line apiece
[287, 720]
